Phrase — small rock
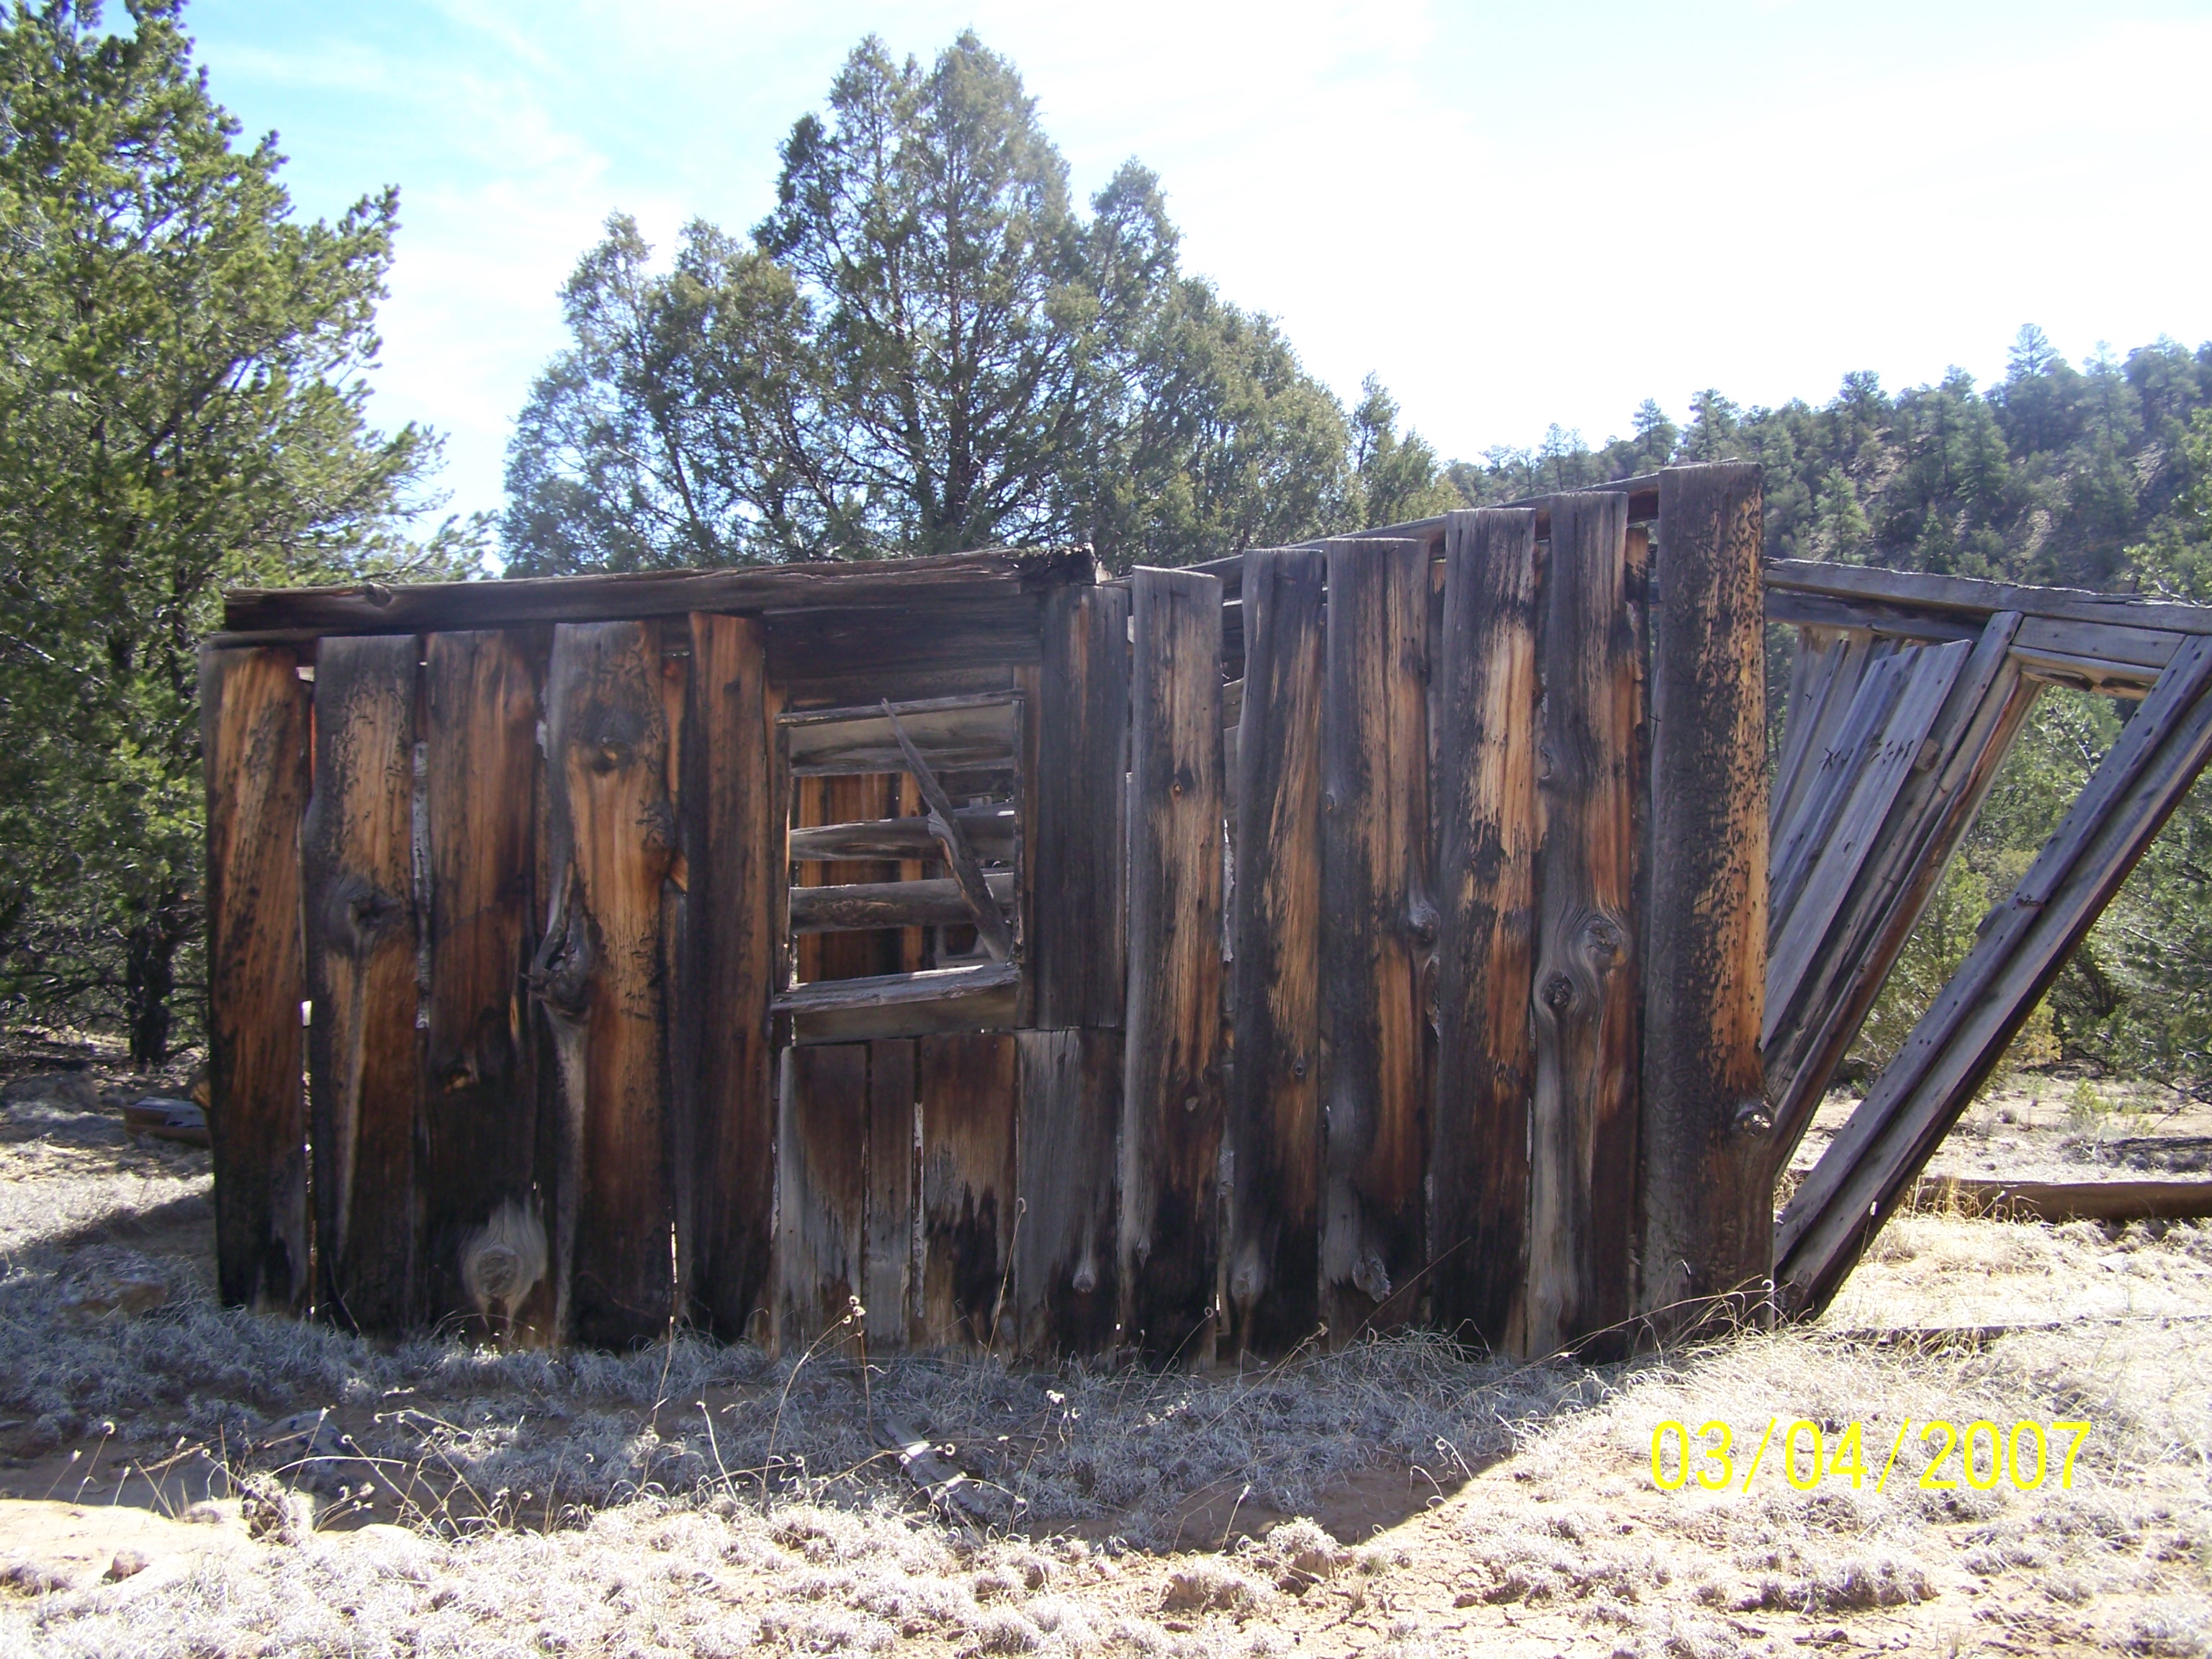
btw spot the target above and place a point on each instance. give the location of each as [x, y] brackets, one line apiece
[127, 1563]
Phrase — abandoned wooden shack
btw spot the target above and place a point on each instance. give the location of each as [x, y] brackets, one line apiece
[976, 951]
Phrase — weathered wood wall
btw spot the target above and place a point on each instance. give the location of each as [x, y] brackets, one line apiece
[1211, 963]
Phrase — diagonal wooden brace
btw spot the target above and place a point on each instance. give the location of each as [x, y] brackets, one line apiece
[990, 920]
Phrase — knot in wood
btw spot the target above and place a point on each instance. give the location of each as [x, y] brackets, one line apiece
[1603, 936]
[1752, 1118]
[359, 913]
[1190, 1102]
[1559, 991]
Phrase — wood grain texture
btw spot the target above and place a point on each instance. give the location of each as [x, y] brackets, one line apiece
[254, 737]
[1485, 880]
[891, 1249]
[1064, 1249]
[973, 579]
[1706, 1203]
[1274, 1101]
[364, 1057]
[1079, 952]
[843, 800]
[822, 1195]
[1173, 1105]
[2022, 944]
[480, 709]
[969, 1086]
[600, 973]
[732, 847]
[1378, 926]
[1582, 1138]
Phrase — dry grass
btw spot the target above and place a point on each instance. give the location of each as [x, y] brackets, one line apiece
[691, 1499]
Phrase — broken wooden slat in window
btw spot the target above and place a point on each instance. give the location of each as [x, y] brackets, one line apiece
[953, 734]
[989, 830]
[982, 902]
[861, 905]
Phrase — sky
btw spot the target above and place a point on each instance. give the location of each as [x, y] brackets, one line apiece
[1514, 214]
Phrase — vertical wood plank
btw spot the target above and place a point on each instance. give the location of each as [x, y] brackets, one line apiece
[969, 1086]
[888, 1249]
[1378, 924]
[1080, 715]
[821, 1149]
[480, 704]
[1706, 1199]
[1582, 1138]
[599, 972]
[733, 852]
[1487, 894]
[364, 1057]
[1173, 1104]
[253, 743]
[847, 798]
[1064, 1247]
[1274, 1122]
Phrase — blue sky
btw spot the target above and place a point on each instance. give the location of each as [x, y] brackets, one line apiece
[1515, 215]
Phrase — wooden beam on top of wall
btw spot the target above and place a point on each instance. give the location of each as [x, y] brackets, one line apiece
[1378, 928]
[1485, 880]
[480, 1094]
[398, 608]
[1977, 601]
[1174, 1095]
[1583, 1160]
[1274, 1101]
[254, 727]
[1867, 1170]
[732, 856]
[364, 1057]
[613, 840]
[1706, 1196]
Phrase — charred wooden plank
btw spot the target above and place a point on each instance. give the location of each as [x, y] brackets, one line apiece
[1485, 875]
[730, 834]
[2059, 1202]
[2022, 946]
[1064, 1249]
[364, 1058]
[822, 1195]
[1274, 1099]
[1582, 1137]
[1173, 1105]
[600, 975]
[1377, 929]
[1706, 1199]
[969, 1087]
[479, 1148]
[254, 736]
[1078, 951]
[376, 608]
[890, 1266]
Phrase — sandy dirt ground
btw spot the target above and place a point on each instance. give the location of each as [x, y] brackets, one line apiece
[180, 1479]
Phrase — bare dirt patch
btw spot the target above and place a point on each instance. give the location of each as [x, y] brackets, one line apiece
[291, 1489]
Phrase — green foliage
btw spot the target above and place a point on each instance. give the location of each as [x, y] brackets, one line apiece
[927, 347]
[181, 409]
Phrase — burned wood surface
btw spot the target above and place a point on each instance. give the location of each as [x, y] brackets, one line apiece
[1065, 1262]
